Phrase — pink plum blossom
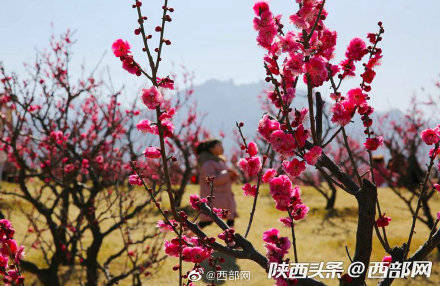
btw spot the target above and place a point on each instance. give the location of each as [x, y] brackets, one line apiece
[152, 97]
[121, 48]
[312, 156]
[152, 152]
[252, 149]
[249, 190]
[267, 126]
[250, 166]
[373, 143]
[431, 136]
[195, 201]
[281, 191]
[356, 49]
[299, 211]
[268, 175]
[147, 126]
[135, 180]
[383, 221]
[317, 70]
[195, 254]
[283, 143]
[294, 168]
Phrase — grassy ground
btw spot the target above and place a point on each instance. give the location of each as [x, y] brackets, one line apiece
[322, 236]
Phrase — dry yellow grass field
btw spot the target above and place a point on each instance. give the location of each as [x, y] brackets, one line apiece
[322, 236]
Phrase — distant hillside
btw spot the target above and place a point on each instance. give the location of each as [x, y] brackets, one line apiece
[225, 102]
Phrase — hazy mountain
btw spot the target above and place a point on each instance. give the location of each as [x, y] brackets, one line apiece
[225, 102]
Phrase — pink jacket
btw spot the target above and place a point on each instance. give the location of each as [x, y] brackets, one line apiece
[223, 196]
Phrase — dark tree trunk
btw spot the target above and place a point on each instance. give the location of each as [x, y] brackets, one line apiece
[331, 200]
[47, 277]
[92, 261]
[179, 193]
[366, 199]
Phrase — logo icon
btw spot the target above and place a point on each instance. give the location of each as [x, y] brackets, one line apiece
[194, 275]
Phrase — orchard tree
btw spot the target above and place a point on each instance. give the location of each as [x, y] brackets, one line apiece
[407, 166]
[71, 142]
[189, 131]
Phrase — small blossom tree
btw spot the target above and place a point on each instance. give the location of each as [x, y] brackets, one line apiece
[406, 142]
[188, 132]
[71, 142]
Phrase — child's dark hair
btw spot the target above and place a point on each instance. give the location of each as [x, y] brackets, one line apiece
[378, 159]
[206, 145]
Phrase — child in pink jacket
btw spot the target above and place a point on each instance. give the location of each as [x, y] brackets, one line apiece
[211, 164]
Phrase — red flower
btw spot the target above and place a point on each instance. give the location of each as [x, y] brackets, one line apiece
[268, 175]
[249, 190]
[121, 48]
[281, 191]
[317, 70]
[130, 65]
[260, 7]
[431, 136]
[383, 221]
[276, 246]
[294, 168]
[356, 97]
[373, 143]
[356, 49]
[368, 75]
[173, 247]
[250, 166]
[341, 113]
[135, 180]
[147, 127]
[283, 143]
[299, 211]
[195, 201]
[252, 149]
[195, 254]
[312, 156]
[371, 37]
[271, 235]
[266, 126]
[151, 97]
[152, 152]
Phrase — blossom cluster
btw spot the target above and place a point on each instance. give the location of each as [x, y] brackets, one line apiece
[276, 246]
[251, 165]
[431, 136]
[10, 255]
[121, 49]
[192, 249]
[309, 53]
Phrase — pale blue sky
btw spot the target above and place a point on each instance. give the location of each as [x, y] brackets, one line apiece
[215, 39]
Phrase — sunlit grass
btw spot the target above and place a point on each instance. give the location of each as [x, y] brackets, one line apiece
[322, 236]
